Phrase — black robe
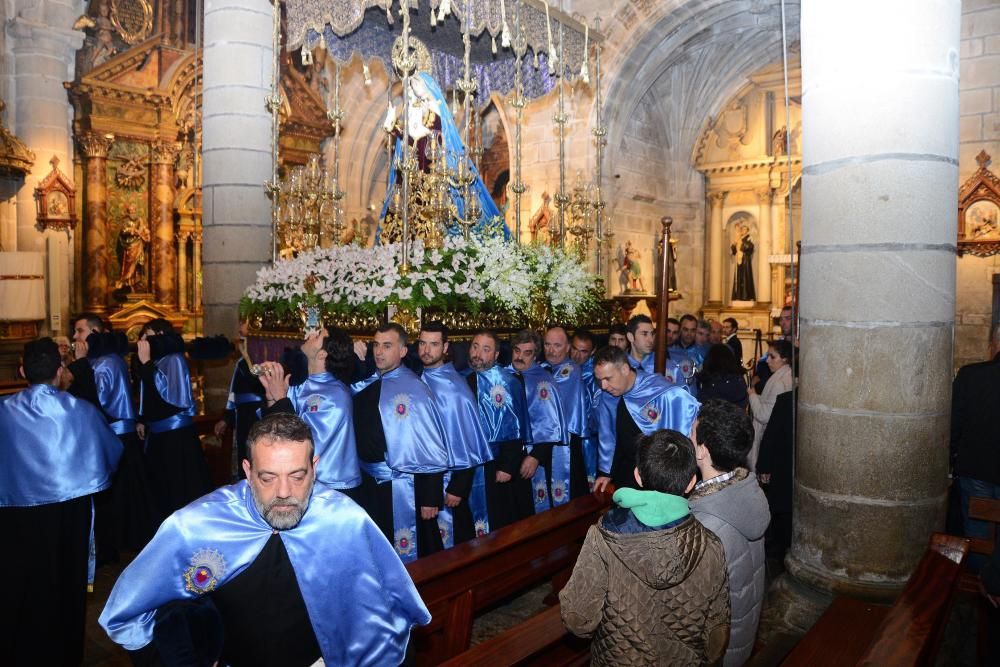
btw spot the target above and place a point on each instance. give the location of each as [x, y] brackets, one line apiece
[623, 464]
[506, 502]
[244, 415]
[377, 498]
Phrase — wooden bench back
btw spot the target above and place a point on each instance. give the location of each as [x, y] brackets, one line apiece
[457, 583]
[984, 509]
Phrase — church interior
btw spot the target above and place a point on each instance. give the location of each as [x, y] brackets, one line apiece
[190, 160]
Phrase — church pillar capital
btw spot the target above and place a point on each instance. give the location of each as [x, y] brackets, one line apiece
[94, 144]
[717, 199]
[764, 195]
[163, 152]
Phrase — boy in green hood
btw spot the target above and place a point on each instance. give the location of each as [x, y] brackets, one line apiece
[650, 584]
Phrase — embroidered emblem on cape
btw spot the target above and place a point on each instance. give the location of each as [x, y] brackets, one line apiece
[544, 391]
[404, 541]
[565, 371]
[669, 374]
[401, 406]
[445, 531]
[558, 491]
[482, 528]
[687, 368]
[313, 402]
[650, 412]
[498, 395]
[541, 493]
[207, 567]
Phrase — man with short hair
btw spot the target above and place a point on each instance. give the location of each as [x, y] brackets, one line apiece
[581, 346]
[402, 449]
[549, 435]
[56, 452]
[702, 334]
[730, 336]
[686, 353]
[729, 502]
[673, 331]
[465, 515]
[649, 585]
[125, 515]
[297, 572]
[323, 402]
[714, 332]
[618, 336]
[567, 465]
[763, 372]
[642, 340]
[503, 414]
[634, 402]
[975, 434]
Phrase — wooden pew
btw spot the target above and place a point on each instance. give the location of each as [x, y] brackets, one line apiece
[853, 632]
[458, 583]
[983, 509]
[541, 640]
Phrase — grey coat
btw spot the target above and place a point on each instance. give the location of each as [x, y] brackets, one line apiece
[736, 511]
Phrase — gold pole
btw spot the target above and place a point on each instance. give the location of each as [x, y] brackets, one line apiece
[599, 132]
[273, 102]
[406, 65]
[518, 102]
[468, 87]
[560, 119]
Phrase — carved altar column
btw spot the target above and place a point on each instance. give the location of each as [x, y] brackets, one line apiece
[95, 241]
[779, 244]
[182, 271]
[196, 273]
[161, 209]
[763, 254]
[716, 200]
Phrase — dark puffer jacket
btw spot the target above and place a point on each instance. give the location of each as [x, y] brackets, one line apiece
[649, 597]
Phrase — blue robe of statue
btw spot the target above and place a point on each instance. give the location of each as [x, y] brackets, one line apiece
[452, 140]
[361, 601]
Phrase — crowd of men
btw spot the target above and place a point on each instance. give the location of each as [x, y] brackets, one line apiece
[421, 452]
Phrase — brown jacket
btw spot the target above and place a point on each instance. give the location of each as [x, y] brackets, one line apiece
[650, 598]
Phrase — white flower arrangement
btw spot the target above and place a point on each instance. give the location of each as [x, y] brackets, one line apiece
[471, 275]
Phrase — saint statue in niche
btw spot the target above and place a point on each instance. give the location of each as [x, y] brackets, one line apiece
[742, 250]
[132, 240]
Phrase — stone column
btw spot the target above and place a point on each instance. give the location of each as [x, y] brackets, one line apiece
[161, 213]
[182, 239]
[779, 242]
[94, 147]
[763, 268]
[716, 200]
[878, 289]
[238, 58]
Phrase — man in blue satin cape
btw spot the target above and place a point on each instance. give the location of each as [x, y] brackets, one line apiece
[177, 467]
[576, 407]
[634, 403]
[297, 572]
[125, 515]
[56, 452]
[465, 490]
[324, 402]
[642, 339]
[503, 414]
[581, 350]
[402, 449]
[246, 396]
[548, 425]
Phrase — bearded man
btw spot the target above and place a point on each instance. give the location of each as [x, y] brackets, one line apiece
[297, 572]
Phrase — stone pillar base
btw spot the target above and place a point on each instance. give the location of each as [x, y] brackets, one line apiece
[790, 609]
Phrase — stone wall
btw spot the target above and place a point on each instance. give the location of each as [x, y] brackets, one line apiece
[979, 104]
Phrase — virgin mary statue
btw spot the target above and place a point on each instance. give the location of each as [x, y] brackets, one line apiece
[430, 120]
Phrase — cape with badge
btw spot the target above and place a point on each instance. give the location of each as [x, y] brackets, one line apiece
[548, 425]
[324, 402]
[361, 609]
[654, 403]
[672, 371]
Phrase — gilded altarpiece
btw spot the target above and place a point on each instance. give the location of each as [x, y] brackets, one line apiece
[137, 125]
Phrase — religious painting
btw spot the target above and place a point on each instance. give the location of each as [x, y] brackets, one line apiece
[55, 200]
[634, 266]
[979, 211]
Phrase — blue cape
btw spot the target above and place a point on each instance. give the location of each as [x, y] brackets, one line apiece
[572, 395]
[53, 447]
[360, 598]
[113, 389]
[672, 370]
[325, 404]
[463, 432]
[502, 407]
[545, 410]
[414, 432]
[173, 382]
[654, 404]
